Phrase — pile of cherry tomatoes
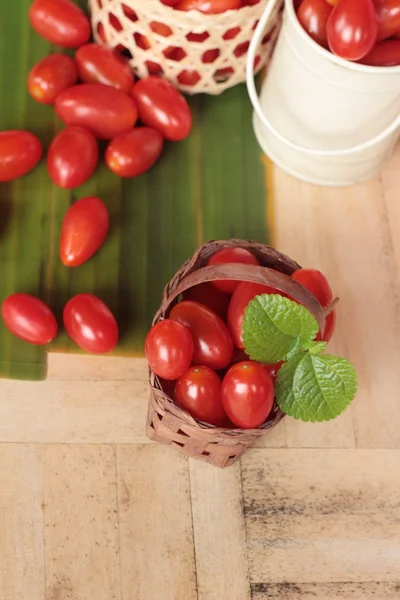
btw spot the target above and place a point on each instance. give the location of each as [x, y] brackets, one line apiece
[107, 105]
[198, 354]
[364, 31]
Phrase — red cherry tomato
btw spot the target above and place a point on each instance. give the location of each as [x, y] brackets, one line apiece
[209, 6]
[330, 326]
[388, 12]
[244, 293]
[72, 157]
[98, 64]
[90, 324]
[29, 319]
[352, 28]
[199, 392]
[247, 394]
[273, 370]
[212, 342]
[231, 255]
[20, 151]
[105, 111]
[134, 152]
[316, 283]
[207, 294]
[50, 76]
[169, 349]
[384, 54]
[60, 22]
[170, 2]
[84, 229]
[313, 16]
[163, 107]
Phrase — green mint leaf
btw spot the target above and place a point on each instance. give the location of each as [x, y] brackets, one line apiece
[276, 328]
[315, 388]
[315, 347]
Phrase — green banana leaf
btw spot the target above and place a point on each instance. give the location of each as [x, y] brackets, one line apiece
[212, 185]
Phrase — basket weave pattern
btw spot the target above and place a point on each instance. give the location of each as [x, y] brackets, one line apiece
[167, 423]
[196, 52]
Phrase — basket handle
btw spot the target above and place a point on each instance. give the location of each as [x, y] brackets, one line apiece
[251, 88]
[254, 274]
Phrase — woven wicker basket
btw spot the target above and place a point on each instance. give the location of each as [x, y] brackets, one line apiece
[195, 51]
[167, 423]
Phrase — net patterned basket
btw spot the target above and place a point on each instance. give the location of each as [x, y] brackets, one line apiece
[197, 52]
[167, 423]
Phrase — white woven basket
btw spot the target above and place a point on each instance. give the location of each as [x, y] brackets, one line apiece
[195, 51]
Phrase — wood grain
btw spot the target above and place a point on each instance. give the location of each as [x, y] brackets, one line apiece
[326, 591]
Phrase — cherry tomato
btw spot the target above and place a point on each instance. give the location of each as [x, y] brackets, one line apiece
[90, 324]
[98, 64]
[209, 6]
[72, 157]
[273, 370]
[20, 151]
[169, 349]
[209, 296]
[316, 283]
[244, 293]
[105, 111]
[199, 392]
[313, 16]
[84, 229]
[29, 319]
[50, 76]
[212, 342]
[388, 12]
[247, 394]
[231, 255]
[384, 54]
[163, 107]
[170, 2]
[60, 22]
[134, 152]
[329, 330]
[352, 28]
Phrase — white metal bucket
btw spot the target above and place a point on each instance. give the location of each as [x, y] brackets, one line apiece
[321, 118]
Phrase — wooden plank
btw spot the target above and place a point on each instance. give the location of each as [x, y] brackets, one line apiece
[156, 533]
[219, 532]
[275, 438]
[322, 516]
[88, 367]
[21, 523]
[326, 591]
[81, 516]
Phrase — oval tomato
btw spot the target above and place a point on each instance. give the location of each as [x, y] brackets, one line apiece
[273, 370]
[244, 293]
[134, 152]
[209, 6]
[388, 12]
[163, 107]
[329, 330]
[50, 76]
[72, 157]
[20, 151]
[84, 229]
[210, 296]
[90, 324]
[231, 255]
[169, 349]
[383, 54]
[247, 394]
[170, 2]
[198, 391]
[98, 64]
[29, 319]
[105, 111]
[212, 342]
[61, 22]
[352, 28]
[316, 283]
[313, 16]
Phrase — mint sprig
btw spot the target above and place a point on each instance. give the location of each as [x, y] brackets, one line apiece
[310, 386]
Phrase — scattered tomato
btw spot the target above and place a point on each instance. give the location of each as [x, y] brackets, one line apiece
[99, 64]
[384, 54]
[60, 22]
[169, 349]
[352, 28]
[134, 152]
[90, 324]
[209, 6]
[105, 111]
[20, 151]
[198, 391]
[209, 296]
[231, 255]
[29, 319]
[247, 394]
[273, 370]
[212, 341]
[72, 157]
[313, 16]
[388, 12]
[316, 283]
[50, 76]
[84, 229]
[163, 107]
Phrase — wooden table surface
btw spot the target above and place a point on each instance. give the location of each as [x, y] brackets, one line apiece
[90, 510]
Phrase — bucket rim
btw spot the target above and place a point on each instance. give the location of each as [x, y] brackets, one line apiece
[352, 66]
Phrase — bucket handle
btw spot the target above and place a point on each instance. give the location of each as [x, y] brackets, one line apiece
[251, 88]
